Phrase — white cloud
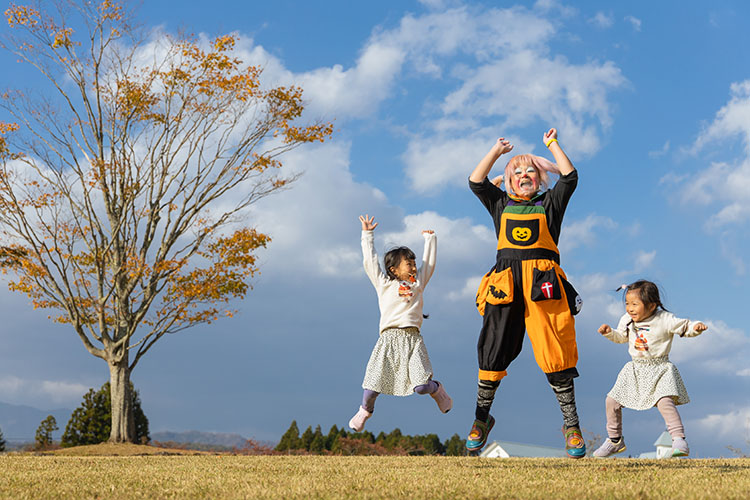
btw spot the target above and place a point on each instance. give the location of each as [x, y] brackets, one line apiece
[634, 22]
[467, 292]
[643, 260]
[526, 86]
[720, 349]
[25, 391]
[661, 152]
[734, 424]
[584, 232]
[432, 162]
[454, 235]
[722, 183]
[602, 20]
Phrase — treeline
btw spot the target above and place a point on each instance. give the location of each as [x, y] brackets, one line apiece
[90, 423]
[340, 442]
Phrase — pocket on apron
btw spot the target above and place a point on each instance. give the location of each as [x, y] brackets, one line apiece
[545, 285]
[495, 288]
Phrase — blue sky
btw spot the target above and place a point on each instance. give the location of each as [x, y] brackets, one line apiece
[652, 104]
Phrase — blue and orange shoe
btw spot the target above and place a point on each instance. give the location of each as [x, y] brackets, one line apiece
[478, 435]
[575, 447]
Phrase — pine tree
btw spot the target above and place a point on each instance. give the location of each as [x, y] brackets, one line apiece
[333, 434]
[43, 439]
[2, 441]
[455, 446]
[90, 423]
[290, 440]
[307, 438]
[318, 443]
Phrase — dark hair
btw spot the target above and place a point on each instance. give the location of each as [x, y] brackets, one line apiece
[393, 258]
[647, 291]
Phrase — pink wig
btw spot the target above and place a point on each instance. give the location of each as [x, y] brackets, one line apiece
[542, 166]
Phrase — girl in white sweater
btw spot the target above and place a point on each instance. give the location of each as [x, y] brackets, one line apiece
[650, 379]
[399, 364]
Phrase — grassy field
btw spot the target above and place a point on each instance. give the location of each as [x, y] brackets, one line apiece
[145, 472]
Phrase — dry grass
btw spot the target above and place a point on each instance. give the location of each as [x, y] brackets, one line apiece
[86, 475]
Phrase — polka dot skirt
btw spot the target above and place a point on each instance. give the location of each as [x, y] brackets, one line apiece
[643, 382]
[398, 363]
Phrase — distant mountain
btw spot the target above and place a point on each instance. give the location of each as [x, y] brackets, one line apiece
[211, 438]
[19, 423]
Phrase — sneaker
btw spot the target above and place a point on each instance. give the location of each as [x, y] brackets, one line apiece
[680, 448]
[575, 447]
[478, 435]
[444, 402]
[609, 448]
[358, 421]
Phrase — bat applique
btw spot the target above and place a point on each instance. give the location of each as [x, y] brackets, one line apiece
[498, 294]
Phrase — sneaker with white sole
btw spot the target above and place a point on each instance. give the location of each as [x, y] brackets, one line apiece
[357, 422]
[680, 448]
[608, 448]
[444, 402]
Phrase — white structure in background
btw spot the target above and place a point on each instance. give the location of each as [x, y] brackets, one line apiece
[507, 449]
[663, 447]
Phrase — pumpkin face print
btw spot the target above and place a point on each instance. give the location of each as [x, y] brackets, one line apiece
[521, 232]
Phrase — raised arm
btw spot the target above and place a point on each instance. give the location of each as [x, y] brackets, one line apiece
[370, 257]
[561, 159]
[429, 258]
[484, 166]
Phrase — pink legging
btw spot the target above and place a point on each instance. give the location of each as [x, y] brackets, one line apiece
[666, 407]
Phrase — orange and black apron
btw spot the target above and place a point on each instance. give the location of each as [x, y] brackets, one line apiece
[526, 290]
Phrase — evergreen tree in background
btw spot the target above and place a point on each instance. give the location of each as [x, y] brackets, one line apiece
[2, 441]
[307, 438]
[90, 423]
[455, 446]
[318, 443]
[290, 440]
[43, 439]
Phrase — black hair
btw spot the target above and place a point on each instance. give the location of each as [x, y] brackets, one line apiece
[647, 291]
[393, 258]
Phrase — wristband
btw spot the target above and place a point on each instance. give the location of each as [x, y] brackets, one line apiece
[550, 142]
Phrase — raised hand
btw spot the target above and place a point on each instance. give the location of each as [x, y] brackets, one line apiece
[549, 135]
[700, 327]
[368, 223]
[502, 146]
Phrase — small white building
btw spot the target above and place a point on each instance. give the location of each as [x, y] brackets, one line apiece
[507, 449]
[663, 447]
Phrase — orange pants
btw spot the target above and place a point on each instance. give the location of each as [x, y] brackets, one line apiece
[526, 295]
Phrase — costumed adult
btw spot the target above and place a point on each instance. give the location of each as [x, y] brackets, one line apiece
[527, 290]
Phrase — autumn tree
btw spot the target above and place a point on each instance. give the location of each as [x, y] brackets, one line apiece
[43, 438]
[124, 185]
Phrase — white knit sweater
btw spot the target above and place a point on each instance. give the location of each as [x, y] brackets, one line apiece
[651, 338]
[400, 302]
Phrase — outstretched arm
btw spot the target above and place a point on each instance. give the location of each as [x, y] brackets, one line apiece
[561, 159]
[429, 258]
[482, 169]
[370, 257]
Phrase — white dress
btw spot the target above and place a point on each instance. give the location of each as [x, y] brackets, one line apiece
[650, 375]
[399, 361]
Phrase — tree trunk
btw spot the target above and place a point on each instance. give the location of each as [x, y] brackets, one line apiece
[123, 422]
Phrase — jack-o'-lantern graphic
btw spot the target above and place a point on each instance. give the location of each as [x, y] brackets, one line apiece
[521, 233]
